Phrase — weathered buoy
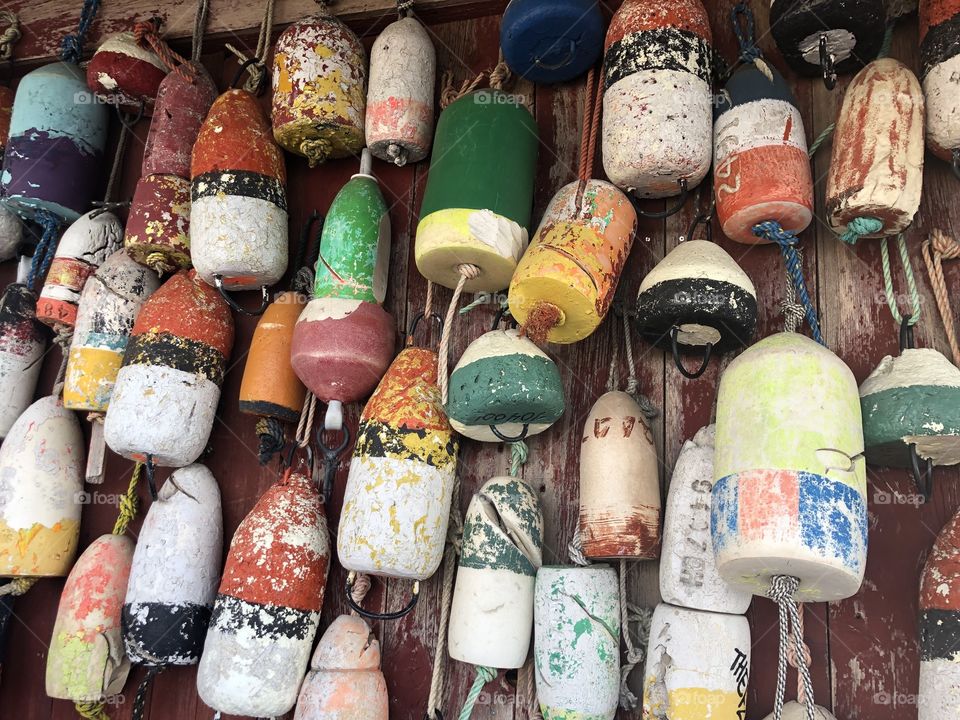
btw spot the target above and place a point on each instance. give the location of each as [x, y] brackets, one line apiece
[345, 680]
[940, 65]
[166, 393]
[268, 606]
[657, 98]
[479, 195]
[795, 711]
[238, 213]
[158, 226]
[11, 233]
[22, 340]
[403, 69]
[86, 661]
[175, 571]
[491, 617]
[125, 72]
[761, 170]
[54, 156]
[504, 388]
[567, 278]
[876, 170]
[84, 246]
[41, 478]
[688, 568]
[109, 305]
[576, 642]
[789, 494]
[697, 666]
[319, 89]
[619, 482]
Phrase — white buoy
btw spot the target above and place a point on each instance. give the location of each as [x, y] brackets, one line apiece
[11, 233]
[22, 340]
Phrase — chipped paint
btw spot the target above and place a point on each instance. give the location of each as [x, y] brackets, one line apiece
[159, 222]
[123, 70]
[22, 341]
[181, 106]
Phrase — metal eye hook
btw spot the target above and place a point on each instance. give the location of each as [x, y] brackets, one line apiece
[827, 66]
[506, 439]
[851, 460]
[705, 218]
[707, 350]
[681, 201]
[434, 317]
[923, 478]
[331, 459]
[264, 301]
[348, 587]
[556, 66]
[906, 335]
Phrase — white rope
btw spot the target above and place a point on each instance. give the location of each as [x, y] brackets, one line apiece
[256, 71]
[575, 550]
[628, 701]
[467, 272]
[199, 27]
[782, 590]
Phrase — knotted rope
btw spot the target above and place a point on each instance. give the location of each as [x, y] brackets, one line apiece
[782, 590]
[860, 227]
[404, 7]
[271, 438]
[518, 457]
[46, 247]
[71, 48]
[749, 50]
[793, 312]
[467, 272]
[361, 586]
[936, 248]
[10, 36]
[908, 274]
[483, 676]
[91, 710]
[128, 503]
[199, 28]
[635, 655]
[498, 76]
[18, 586]
[575, 549]
[147, 35]
[257, 71]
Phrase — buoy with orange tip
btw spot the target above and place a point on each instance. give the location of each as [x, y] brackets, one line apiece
[22, 340]
[940, 64]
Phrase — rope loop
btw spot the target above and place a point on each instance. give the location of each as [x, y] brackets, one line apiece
[129, 502]
[484, 675]
[860, 227]
[71, 47]
[10, 36]
[938, 247]
[782, 591]
[743, 27]
[908, 274]
[46, 247]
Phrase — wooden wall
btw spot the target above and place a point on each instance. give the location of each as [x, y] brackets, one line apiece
[864, 649]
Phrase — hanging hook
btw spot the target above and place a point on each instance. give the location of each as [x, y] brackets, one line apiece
[150, 467]
[125, 117]
[681, 201]
[955, 162]
[923, 478]
[264, 302]
[571, 51]
[288, 463]
[348, 587]
[261, 82]
[103, 206]
[705, 218]
[434, 317]
[906, 335]
[331, 459]
[507, 439]
[503, 311]
[707, 349]
[827, 65]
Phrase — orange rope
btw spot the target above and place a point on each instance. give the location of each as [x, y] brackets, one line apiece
[145, 34]
[940, 246]
[585, 165]
[595, 121]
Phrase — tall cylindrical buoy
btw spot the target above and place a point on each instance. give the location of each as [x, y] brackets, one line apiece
[319, 89]
[940, 66]
[54, 156]
[166, 393]
[397, 500]
[22, 340]
[789, 494]
[479, 195]
[41, 478]
[158, 226]
[761, 170]
[491, 618]
[657, 97]
[238, 213]
[175, 571]
[876, 170]
[403, 68]
[268, 606]
[124, 71]
[345, 680]
[619, 482]
[182, 104]
[11, 228]
[504, 387]
[571, 269]
[576, 645]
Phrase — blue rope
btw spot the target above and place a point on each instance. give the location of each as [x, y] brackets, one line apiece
[71, 47]
[749, 50]
[773, 231]
[46, 248]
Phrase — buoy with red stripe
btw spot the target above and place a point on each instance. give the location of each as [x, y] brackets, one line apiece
[22, 340]
[268, 606]
[940, 66]
[11, 227]
[125, 72]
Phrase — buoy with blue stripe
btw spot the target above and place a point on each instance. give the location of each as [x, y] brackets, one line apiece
[125, 72]
[940, 66]
[22, 340]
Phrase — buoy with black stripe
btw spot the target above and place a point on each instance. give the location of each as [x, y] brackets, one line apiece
[11, 227]
[22, 340]
[124, 72]
[940, 66]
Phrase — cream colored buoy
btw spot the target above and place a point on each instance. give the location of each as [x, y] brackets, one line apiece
[11, 233]
[940, 68]
[22, 340]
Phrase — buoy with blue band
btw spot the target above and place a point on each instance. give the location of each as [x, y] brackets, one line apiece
[22, 341]
[125, 72]
[940, 64]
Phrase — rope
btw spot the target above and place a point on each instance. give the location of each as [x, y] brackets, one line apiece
[199, 28]
[528, 701]
[908, 273]
[499, 75]
[518, 457]
[128, 503]
[118, 154]
[807, 659]
[749, 50]
[257, 71]
[91, 710]
[484, 675]
[18, 586]
[157, 261]
[404, 7]
[793, 312]
[361, 586]
[859, 227]
[588, 134]
[140, 700]
[62, 339]
[467, 272]
[46, 247]
[71, 48]
[428, 302]
[782, 590]
[628, 701]
[146, 33]
[272, 438]
[575, 549]
[936, 248]
[305, 426]
[824, 135]
[10, 36]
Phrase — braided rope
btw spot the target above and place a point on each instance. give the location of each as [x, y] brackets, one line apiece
[806, 658]
[404, 7]
[938, 247]
[628, 700]
[750, 52]
[908, 273]
[782, 589]
[860, 227]
[467, 272]
[128, 503]
[199, 28]
[575, 549]
[256, 72]
[305, 426]
[140, 699]
[91, 710]
[793, 312]
[270, 433]
[71, 47]
[18, 586]
[484, 675]
[822, 138]
[518, 457]
[147, 35]
[10, 36]
[361, 586]
[46, 247]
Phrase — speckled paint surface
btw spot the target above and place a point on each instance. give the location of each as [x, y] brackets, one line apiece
[22, 340]
[940, 62]
[159, 222]
[124, 70]
[179, 111]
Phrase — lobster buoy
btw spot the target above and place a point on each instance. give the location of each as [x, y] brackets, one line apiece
[58, 134]
[789, 494]
[125, 72]
[397, 500]
[619, 482]
[22, 340]
[166, 393]
[491, 617]
[41, 478]
[576, 641]
[158, 226]
[553, 42]
[267, 609]
[479, 195]
[108, 308]
[86, 661]
[876, 169]
[761, 169]
[345, 680]
[795, 711]
[697, 665]
[84, 246]
[567, 278]
[403, 68]
[657, 97]
[940, 63]
[175, 571]
[504, 388]
[319, 89]
[11, 229]
[688, 568]
[238, 212]
[183, 101]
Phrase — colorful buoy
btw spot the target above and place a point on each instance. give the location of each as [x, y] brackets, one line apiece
[619, 482]
[22, 340]
[940, 65]
[123, 71]
[158, 226]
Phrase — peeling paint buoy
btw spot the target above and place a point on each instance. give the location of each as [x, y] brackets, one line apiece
[940, 63]
[11, 228]
[123, 72]
[158, 225]
[22, 340]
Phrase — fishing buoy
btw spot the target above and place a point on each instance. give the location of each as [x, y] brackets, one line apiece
[619, 482]
[54, 156]
[268, 606]
[795, 711]
[567, 278]
[403, 69]
[238, 213]
[789, 494]
[11, 234]
[319, 89]
[175, 571]
[86, 661]
[940, 65]
[504, 388]
[166, 393]
[125, 72]
[657, 97]
[479, 195]
[345, 680]
[158, 226]
[108, 308]
[22, 340]
[41, 478]
[84, 246]
[491, 618]
[876, 170]
[548, 43]
[761, 169]
[688, 569]
[576, 641]
[697, 665]
[939, 696]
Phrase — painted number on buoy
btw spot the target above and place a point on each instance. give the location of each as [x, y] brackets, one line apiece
[741, 668]
[601, 427]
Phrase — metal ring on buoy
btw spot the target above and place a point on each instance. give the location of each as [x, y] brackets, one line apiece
[261, 86]
[265, 298]
[906, 335]
[331, 458]
[707, 349]
[504, 438]
[348, 587]
[125, 119]
[705, 218]
[924, 478]
[827, 66]
[681, 201]
[434, 317]
[562, 63]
